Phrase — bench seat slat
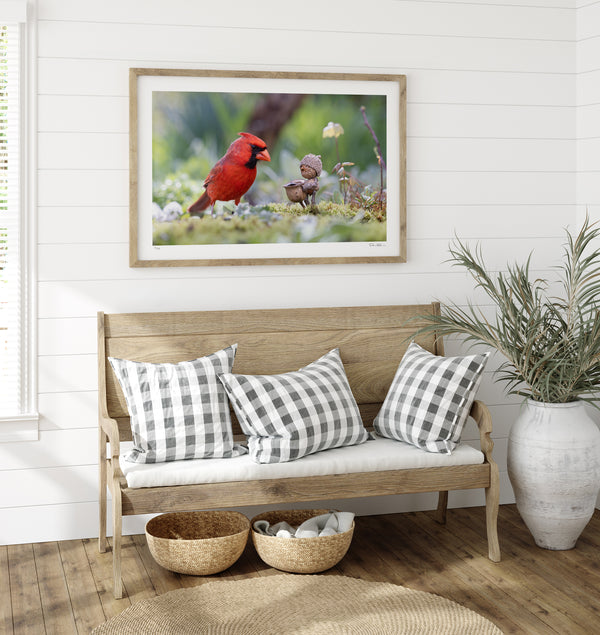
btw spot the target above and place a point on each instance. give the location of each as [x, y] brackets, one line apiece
[306, 488]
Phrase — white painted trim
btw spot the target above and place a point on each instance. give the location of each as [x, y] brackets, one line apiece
[24, 427]
[29, 243]
[19, 428]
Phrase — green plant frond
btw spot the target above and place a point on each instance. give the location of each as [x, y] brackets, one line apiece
[551, 344]
[580, 271]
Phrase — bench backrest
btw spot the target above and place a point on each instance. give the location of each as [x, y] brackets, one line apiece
[372, 341]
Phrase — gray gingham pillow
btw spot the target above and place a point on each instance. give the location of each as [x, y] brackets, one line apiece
[290, 415]
[178, 411]
[429, 400]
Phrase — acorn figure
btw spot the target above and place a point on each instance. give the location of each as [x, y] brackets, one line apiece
[310, 168]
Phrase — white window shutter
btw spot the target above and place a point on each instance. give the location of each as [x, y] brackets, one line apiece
[10, 214]
[17, 416]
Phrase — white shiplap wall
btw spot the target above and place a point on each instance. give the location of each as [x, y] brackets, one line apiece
[491, 155]
[588, 108]
[588, 115]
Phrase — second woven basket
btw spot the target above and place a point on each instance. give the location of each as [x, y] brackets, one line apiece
[299, 555]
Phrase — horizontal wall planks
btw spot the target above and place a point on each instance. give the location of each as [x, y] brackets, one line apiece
[68, 410]
[84, 298]
[75, 188]
[497, 88]
[75, 76]
[588, 110]
[518, 21]
[82, 224]
[83, 151]
[67, 373]
[508, 188]
[105, 262]
[449, 121]
[49, 485]
[54, 449]
[83, 113]
[444, 221]
[490, 155]
[171, 45]
[108, 79]
[67, 337]
[64, 521]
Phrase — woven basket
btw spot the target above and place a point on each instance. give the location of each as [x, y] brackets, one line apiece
[197, 543]
[299, 555]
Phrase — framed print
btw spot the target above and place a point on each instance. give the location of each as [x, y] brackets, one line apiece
[255, 168]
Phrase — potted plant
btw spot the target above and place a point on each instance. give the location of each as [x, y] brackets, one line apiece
[550, 337]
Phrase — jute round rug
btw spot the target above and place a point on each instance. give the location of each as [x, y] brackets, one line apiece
[304, 604]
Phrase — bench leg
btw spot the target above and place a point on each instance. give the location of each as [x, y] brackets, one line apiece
[117, 531]
[102, 491]
[492, 500]
[442, 508]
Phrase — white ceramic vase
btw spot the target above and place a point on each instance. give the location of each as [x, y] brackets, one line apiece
[554, 468]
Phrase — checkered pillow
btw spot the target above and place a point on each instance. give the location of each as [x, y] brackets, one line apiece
[178, 411]
[430, 398]
[293, 414]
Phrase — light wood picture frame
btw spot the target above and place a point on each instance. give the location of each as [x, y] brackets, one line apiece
[183, 120]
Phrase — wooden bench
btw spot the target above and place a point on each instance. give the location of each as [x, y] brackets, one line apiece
[372, 341]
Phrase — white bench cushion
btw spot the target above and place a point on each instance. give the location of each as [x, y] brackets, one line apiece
[376, 455]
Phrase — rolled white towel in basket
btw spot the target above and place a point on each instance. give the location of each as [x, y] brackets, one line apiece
[324, 525]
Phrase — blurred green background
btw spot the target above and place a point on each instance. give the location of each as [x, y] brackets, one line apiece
[192, 130]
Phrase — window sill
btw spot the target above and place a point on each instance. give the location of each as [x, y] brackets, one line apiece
[19, 428]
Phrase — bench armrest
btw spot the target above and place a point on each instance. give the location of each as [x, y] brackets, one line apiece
[483, 419]
[110, 427]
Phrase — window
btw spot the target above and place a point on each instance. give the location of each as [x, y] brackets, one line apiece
[18, 420]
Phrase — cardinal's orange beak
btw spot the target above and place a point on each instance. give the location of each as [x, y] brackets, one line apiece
[263, 155]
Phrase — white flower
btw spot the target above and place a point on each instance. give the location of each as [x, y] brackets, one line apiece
[332, 130]
[172, 211]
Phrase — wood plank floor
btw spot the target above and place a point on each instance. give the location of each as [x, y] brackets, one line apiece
[66, 587]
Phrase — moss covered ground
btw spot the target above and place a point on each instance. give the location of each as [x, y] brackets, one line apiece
[273, 223]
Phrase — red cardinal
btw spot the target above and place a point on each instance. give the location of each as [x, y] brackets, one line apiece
[233, 174]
